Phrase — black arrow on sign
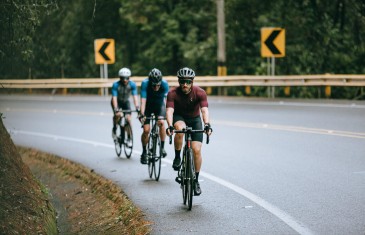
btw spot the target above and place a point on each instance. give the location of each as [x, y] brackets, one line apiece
[270, 42]
[102, 51]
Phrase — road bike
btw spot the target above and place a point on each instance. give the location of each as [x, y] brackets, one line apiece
[124, 135]
[186, 174]
[154, 148]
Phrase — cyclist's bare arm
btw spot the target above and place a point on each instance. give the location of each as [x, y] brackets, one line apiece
[143, 105]
[135, 100]
[205, 115]
[169, 116]
[114, 102]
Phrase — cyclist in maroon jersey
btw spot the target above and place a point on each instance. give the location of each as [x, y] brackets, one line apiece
[183, 107]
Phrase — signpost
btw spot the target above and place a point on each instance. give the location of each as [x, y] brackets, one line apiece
[272, 46]
[104, 54]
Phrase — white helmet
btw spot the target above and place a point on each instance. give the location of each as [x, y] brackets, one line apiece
[186, 73]
[124, 73]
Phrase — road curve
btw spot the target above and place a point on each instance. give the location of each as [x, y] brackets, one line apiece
[272, 166]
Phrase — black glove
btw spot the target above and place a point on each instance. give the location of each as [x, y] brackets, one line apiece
[207, 128]
[141, 117]
[170, 128]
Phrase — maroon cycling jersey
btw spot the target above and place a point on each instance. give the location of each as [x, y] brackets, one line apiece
[187, 105]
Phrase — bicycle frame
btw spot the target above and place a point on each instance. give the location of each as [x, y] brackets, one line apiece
[154, 148]
[186, 174]
[122, 139]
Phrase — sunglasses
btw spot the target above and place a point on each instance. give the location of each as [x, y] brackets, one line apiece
[156, 84]
[124, 78]
[185, 81]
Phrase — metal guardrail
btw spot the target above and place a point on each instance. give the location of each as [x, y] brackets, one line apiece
[203, 81]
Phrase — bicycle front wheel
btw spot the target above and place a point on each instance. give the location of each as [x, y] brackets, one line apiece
[183, 174]
[128, 141]
[118, 141]
[157, 158]
[151, 163]
[190, 177]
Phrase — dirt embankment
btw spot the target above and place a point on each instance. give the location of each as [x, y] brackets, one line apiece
[50, 195]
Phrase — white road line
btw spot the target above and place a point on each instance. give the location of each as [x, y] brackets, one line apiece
[349, 134]
[286, 218]
[291, 103]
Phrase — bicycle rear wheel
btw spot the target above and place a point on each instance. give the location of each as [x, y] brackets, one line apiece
[190, 178]
[157, 158]
[128, 140]
[118, 141]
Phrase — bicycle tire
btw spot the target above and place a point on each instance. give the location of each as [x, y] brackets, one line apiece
[151, 164]
[118, 141]
[183, 179]
[128, 141]
[157, 157]
[190, 178]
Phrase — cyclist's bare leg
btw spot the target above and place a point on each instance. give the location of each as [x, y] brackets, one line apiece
[178, 139]
[197, 147]
[144, 140]
[115, 120]
[128, 118]
[145, 134]
[161, 125]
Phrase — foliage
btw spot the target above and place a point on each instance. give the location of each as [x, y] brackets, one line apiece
[45, 39]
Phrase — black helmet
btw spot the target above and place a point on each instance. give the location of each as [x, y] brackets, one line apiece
[155, 76]
[186, 73]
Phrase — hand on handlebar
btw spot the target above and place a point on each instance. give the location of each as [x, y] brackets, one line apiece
[142, 118]
[208, 129]
[118, 113]
[170, 130]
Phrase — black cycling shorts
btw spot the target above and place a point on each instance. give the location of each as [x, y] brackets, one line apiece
[195, 123]
[158, 110]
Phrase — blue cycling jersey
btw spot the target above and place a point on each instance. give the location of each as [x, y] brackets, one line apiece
[122, 91]
[154, 97]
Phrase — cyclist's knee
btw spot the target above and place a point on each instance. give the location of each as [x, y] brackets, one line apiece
[179, 125]
[145, 132]
[115, 119]
[161, 123]
[197, 147]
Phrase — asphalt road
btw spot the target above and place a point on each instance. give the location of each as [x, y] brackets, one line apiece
[272, 166]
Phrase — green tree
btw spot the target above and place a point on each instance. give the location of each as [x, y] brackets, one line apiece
[18, 21]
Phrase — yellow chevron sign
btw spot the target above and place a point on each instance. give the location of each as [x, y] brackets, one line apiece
[272, 42]
[104, 51]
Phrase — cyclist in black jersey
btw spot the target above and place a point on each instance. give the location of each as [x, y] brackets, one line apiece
[153, 100]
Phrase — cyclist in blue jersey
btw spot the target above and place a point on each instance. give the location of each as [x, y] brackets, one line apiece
[121, 91]
[154, 90]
